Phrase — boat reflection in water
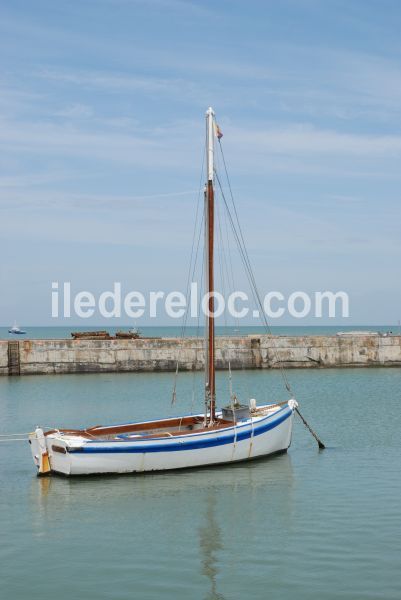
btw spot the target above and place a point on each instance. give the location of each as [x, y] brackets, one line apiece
[160, 529]
[210, 542]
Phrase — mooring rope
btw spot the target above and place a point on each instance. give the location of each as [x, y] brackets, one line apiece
[14, 434]
[15, 437]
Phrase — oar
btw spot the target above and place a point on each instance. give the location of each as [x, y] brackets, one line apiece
[320, 443]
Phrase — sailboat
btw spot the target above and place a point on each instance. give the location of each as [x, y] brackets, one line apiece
[237, 432]
[15, 330]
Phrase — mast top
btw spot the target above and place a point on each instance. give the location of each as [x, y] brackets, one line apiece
[210, 142]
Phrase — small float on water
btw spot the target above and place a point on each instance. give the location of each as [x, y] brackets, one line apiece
[237, 432]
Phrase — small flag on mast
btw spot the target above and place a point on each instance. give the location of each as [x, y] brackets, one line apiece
[218, 132]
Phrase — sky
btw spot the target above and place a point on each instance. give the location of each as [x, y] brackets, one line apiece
[102, 107]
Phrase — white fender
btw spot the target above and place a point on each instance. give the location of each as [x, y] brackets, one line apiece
[44, 464]
[252, 404]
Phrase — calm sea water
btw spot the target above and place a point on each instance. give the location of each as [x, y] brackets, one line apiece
[175, 331]
[305, 525]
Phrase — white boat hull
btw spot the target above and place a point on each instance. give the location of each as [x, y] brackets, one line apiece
[255, 437]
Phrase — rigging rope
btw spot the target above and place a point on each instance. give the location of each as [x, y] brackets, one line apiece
[235, 226]
[222, 264]
[238, 235]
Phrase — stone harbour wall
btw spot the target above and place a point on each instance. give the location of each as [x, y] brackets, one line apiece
[27, 357]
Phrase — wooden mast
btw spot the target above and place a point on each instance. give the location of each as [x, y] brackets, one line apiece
[209, 224]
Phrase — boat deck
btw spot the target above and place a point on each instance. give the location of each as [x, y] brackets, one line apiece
[166, 428]
[151, 429]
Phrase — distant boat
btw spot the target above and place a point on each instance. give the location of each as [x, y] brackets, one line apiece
[90, 335]
[15, 330]
[359, 332]
[131, 334]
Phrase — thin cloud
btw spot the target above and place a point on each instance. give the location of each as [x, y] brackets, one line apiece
[183, 7]
[301, 138]
[12, 197]
[293, 148]
[75, 111]
[110, 81]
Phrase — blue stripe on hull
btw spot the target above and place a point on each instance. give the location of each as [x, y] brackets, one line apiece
[194, 444]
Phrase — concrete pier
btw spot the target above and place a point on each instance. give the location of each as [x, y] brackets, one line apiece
[249, 352]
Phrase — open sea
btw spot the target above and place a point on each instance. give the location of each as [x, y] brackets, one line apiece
[306, 525]
[176, 331]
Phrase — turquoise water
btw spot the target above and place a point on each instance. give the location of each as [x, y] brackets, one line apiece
[306, 525]
[159, 331]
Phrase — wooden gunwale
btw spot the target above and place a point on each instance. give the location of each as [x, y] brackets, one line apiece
[163, 428]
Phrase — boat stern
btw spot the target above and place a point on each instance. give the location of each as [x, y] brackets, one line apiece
[49, 452]
[40, 454]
